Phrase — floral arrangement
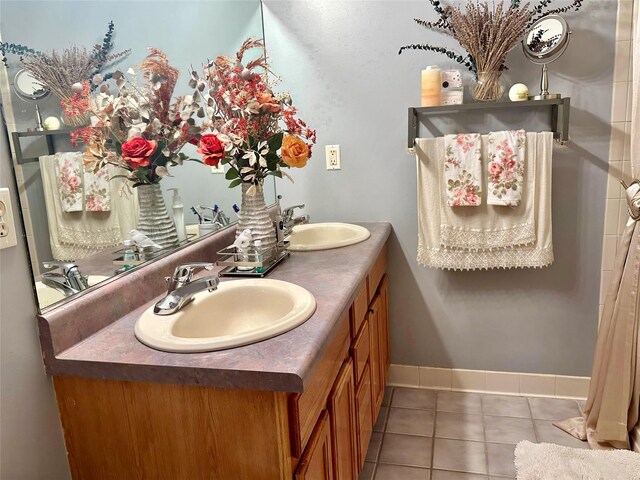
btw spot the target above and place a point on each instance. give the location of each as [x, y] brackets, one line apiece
[67, 73]
[248, 123]
[140, 128]
[486, 33]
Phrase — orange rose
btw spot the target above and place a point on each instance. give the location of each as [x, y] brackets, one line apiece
[267, 103]
[295, 152]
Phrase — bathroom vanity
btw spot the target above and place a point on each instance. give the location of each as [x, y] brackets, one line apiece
[300, 405]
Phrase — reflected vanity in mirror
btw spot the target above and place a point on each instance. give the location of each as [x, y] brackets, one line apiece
[64, 260]
[545, 42]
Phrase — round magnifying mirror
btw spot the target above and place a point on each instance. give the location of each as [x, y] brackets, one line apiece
[545, 42]
[28, 87]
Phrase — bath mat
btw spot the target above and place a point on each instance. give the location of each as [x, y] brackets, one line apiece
[547, 461]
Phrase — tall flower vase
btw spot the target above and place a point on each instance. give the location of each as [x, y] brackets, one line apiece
[154, 220]
[255, 217]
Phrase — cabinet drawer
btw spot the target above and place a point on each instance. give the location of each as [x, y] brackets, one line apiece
[305, 407]
[365, 423]
[360, 351]
[376, 273]
[359, 309]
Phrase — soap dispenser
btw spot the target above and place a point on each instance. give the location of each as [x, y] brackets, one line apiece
[178, 215]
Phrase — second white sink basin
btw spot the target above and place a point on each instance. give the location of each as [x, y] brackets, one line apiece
[48, 295]
[238, 313]
[324, 236]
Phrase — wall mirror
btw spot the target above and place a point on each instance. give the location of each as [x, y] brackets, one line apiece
[190, 33]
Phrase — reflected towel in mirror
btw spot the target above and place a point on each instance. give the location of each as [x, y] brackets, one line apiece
[68, 172]
[81, 234]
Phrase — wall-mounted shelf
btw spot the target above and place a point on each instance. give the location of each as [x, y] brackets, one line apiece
[47, 134]
[559, 114]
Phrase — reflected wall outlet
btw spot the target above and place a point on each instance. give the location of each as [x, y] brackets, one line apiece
[7, 227]
[332, 153]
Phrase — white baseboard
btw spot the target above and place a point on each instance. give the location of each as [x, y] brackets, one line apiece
[483, 381]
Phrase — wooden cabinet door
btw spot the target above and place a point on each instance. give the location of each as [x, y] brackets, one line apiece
[316, 462]
[342, 418]
[377, 390]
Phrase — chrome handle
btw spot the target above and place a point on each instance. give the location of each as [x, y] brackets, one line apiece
[183, 274]
[64, 266]
[287, 213]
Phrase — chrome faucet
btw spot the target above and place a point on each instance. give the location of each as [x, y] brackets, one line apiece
[182, 287]
[68, 281]
[289, 221]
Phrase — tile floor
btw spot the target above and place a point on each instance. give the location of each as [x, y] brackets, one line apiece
[441, 435]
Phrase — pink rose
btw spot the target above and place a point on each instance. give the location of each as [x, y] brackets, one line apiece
[212, 149]
[74, 182]
[495, 169]
[137, 151]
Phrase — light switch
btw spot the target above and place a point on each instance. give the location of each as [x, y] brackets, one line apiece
[7, 226]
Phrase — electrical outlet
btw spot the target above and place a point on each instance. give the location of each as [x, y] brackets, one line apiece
[332, 153]
[7, 227]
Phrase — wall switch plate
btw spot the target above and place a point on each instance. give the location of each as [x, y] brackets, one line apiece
[7, 226]
[218, 169]
[332, 153]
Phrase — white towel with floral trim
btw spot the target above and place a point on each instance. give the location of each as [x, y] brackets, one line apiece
[462, 169]
[506, 158]
[431, 252]
[494, 226]
[68, 168]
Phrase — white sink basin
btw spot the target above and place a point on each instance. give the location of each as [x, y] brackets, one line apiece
[47, 295]
[238, 313]
[323, 236]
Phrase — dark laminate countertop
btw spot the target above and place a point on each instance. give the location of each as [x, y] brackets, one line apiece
[282, 363]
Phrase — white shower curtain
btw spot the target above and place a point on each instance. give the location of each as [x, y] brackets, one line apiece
[613, 405]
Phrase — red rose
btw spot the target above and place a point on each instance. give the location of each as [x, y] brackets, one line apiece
[137, 150]
[212, 149]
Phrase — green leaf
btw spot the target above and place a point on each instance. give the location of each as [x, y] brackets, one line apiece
[231, 174]
[183, 156]
[275, 141]
[235, 183]
[276, 173]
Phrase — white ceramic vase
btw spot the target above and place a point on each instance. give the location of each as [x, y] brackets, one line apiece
[255, 217]
[154, 220]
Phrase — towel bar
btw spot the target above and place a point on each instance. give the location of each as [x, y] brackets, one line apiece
[559, 115]
[47, 134]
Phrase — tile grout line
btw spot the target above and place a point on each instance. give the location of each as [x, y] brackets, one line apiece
[433, 434]
[535, 428]
[484, 435]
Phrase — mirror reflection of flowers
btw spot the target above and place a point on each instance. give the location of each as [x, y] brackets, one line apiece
[139, 128]
[248, 122]
[68, 73]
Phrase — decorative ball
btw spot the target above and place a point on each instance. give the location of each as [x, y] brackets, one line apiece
[246, 74]
[519, 92]
[51, 123]
[77, 87]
